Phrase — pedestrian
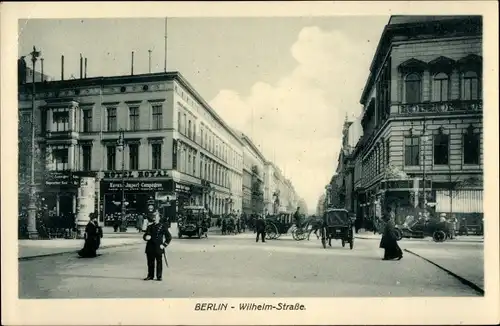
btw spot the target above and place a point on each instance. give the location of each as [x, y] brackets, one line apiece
[260, 228]
[158, 238]
[93, 235]
[389, 241]
[140, 221]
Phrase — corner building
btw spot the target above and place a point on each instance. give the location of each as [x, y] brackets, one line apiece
[422, 119]
[175, 147]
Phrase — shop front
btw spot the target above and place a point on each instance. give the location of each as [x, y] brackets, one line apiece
[136, 195]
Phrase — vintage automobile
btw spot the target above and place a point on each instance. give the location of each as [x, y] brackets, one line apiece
[420, 228]
[338, 225]
[193, 222]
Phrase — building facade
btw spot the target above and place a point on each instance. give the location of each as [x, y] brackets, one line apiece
[152, 135]
[422, 120]
[253, 177]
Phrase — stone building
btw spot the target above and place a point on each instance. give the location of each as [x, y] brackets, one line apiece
[152, 133]
[253, 177]
[422, 119]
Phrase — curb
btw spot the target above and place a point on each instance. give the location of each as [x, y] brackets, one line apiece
[464, 281]
[454, 241]
[72, 251]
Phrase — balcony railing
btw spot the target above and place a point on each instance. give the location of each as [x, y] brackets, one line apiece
[441, 107]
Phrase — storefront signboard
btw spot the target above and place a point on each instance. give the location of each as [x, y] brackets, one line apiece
[137, 174]
[85, 200]
[61, 178]
[137, 186]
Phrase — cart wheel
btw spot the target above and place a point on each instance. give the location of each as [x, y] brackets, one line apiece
[399, 234]
[343, 243]
[351, 243]
[271, 231]
[439, 236]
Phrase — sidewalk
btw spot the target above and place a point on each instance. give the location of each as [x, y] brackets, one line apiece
[465, 264]
[37, 248]
[470, 238]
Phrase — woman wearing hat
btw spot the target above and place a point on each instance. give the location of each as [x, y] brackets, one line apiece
[389, 241]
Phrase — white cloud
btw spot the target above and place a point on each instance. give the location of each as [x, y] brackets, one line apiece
[300, 117]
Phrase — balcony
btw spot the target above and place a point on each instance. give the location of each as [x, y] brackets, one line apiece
[456, 106]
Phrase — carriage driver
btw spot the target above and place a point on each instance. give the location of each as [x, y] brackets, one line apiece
[296, 217]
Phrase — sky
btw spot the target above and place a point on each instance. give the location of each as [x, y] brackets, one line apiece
[288, 83]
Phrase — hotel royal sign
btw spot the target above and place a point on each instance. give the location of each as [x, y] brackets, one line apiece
[137, 174]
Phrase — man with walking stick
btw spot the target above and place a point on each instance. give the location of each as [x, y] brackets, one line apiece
[158, 238]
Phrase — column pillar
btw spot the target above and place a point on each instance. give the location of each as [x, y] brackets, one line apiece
[49, 119]
[71, 157]
[57, 204]
[72, 118]
[73, 203]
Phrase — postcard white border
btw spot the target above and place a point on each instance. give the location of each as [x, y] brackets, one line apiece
[180, 311]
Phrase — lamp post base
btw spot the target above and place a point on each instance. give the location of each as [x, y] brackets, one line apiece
[33, 235]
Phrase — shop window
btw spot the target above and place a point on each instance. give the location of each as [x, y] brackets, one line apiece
[133, 156]
[157, 117]
[156, 156]
[470, 86]
[440, 87]
[412, 151]
[471, 147]
[441, 149]
[111, 158]
[413, 88]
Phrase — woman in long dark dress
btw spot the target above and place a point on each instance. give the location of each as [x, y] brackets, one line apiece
[389, 241]
[93, 234]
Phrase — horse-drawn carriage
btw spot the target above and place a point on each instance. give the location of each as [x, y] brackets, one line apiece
[194, 221]
[277, 225]
[338, 225]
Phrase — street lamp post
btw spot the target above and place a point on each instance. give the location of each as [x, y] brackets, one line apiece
[121, 145]
[32, 231]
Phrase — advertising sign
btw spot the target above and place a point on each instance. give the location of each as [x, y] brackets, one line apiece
[137, 186]
[85, 200]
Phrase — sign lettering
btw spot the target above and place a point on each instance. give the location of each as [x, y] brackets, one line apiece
[136, 174]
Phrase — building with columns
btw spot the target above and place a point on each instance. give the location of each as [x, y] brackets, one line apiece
[422, 120]
[153, 133]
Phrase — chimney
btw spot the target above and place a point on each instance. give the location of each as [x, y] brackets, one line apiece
[85, 67]
[62, 67]
[132, 71]
[42, 77]
[81, 66]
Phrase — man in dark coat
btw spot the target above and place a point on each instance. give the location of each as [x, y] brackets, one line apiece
[389, 241]
[158, 238]
[260, 228]
[296, 217]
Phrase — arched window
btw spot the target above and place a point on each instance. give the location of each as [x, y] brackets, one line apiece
[413, 88]
[470, 86]
[440, 87]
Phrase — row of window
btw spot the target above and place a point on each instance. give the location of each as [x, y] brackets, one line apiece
[470, 87]
[380, 157]
[207, 139]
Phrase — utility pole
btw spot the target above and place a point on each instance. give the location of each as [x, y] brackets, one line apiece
[121, 145]
[149, 53]
[424, 147]
[32, 230]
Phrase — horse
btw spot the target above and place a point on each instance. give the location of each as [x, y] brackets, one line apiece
[316, 223]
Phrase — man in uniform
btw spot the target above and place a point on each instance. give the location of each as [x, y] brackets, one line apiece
[158, 238]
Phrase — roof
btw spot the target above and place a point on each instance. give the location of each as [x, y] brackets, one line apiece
[249, 141]
[407, 25]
